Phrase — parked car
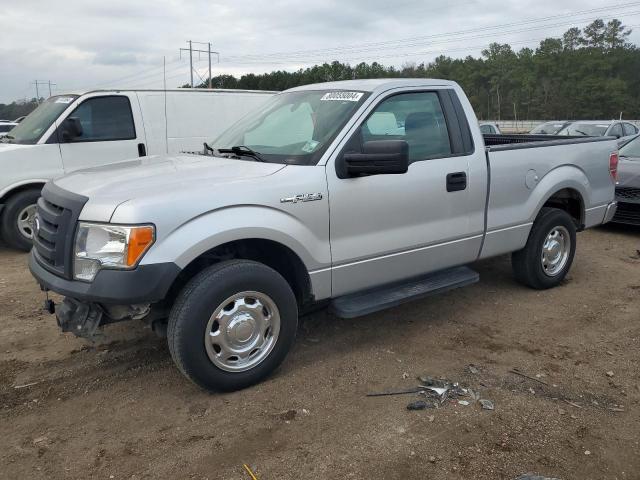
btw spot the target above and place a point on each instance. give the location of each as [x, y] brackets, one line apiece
[549, 128]
[596, 128]
[226, 248]
[75, 131]
[490, 128]
[6, 127]
[628, 186]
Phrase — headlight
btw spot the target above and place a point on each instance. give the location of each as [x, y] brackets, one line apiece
[109, 246]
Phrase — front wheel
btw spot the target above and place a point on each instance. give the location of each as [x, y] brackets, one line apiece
[548, 255]
[232, 325]
[18, 217]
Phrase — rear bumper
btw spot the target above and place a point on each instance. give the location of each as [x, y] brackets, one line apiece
[144, 284]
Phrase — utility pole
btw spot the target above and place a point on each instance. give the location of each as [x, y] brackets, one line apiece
[208, 52]
[37, 83]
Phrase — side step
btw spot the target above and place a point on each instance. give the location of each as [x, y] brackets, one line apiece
[387, 296]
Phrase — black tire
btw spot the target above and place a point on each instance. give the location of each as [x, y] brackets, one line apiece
[200, 298]
[527, 263]
[16, 204]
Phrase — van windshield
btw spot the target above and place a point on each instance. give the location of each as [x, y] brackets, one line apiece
[31, 129]
[293, 127]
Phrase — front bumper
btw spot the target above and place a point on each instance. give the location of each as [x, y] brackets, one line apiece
[144, 284]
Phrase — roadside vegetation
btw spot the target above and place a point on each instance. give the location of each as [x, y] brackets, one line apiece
[588, 73]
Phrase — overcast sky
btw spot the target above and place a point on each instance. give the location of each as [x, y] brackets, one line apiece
[82, 44]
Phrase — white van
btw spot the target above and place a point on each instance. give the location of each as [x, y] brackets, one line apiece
[75, 131]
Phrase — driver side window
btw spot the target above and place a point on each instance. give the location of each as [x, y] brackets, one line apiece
[416, 118]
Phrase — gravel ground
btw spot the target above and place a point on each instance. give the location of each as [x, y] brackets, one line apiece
[119, 409]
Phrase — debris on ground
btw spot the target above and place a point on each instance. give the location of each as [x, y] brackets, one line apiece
[436, 392]
[419, 405]
[472, 369]
[530, 377]
[609, 373]
[486, 404]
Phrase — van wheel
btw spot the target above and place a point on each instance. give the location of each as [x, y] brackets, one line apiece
[232, 325]
[547, 256]
[17, 219]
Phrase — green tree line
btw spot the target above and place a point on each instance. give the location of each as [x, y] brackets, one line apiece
[590, 73]
[13, 110]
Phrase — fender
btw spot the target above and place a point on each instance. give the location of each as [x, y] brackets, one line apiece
[242, 222]
[5, 192]
[560, 178]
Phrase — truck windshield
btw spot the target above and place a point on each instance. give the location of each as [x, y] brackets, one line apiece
[31, 129]
[294, 127]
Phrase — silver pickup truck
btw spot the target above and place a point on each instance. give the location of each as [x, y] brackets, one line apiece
[356, 195]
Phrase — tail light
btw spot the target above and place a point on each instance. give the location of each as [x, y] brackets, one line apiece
[613, 166]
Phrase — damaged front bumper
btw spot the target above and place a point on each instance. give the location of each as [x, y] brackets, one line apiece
[84, 318]
[113, 296]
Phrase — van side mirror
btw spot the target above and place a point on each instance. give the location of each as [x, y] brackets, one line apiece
[71, 129]
[378, 157]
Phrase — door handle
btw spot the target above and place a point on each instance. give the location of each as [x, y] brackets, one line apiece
[456, 181]
[142, 150]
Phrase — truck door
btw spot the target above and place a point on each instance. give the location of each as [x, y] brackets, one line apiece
[101, 129]
[386, 228]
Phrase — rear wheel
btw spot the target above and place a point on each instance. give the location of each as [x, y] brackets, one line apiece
[548, 254]
[18, 217]
[232, 325]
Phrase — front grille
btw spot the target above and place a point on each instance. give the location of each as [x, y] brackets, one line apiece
[57, 214]
[630, 193]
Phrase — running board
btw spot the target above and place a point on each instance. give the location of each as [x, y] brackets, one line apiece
[387, 296]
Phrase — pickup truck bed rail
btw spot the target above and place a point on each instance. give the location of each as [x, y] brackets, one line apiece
[513, 142]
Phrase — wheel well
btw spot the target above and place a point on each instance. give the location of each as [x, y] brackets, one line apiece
[19, 189]
[273, 254]
[571, 202]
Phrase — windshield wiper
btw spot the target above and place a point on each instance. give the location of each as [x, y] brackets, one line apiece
[243, 150]
[581, 133]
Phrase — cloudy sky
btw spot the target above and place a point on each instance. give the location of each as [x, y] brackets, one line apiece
[82, 44]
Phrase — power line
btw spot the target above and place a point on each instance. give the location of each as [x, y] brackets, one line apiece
[191, 51]
[400, 42]
[309, 60]
[42, 82]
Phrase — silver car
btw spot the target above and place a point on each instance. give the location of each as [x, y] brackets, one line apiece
[598, 128]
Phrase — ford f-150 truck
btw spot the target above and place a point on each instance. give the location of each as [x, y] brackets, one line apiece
[356, 195]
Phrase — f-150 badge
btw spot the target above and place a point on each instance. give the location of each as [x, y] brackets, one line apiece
[302, 197]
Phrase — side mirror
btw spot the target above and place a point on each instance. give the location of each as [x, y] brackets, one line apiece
[379, 157]
[71, 128]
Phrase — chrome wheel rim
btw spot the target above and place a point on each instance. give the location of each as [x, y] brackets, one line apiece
[242, 331]
[555, 251]
[25, 221]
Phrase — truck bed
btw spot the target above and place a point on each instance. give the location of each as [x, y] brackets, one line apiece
[513, 142]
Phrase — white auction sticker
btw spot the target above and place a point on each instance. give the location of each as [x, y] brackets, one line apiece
[342, 96]
[64, 100]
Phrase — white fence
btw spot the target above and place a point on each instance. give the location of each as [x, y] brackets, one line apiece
[524, 126]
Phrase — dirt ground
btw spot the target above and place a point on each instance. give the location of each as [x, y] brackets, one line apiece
[119, 409]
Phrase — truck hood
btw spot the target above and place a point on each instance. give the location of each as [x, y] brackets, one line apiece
[157, 176]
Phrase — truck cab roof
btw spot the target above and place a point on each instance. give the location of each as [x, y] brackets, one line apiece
[377, 84]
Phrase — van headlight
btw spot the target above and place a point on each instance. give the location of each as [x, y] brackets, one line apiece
[100, 246]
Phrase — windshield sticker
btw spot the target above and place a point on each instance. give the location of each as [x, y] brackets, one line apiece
[64, 100]
[342, 96]
[310, 146]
